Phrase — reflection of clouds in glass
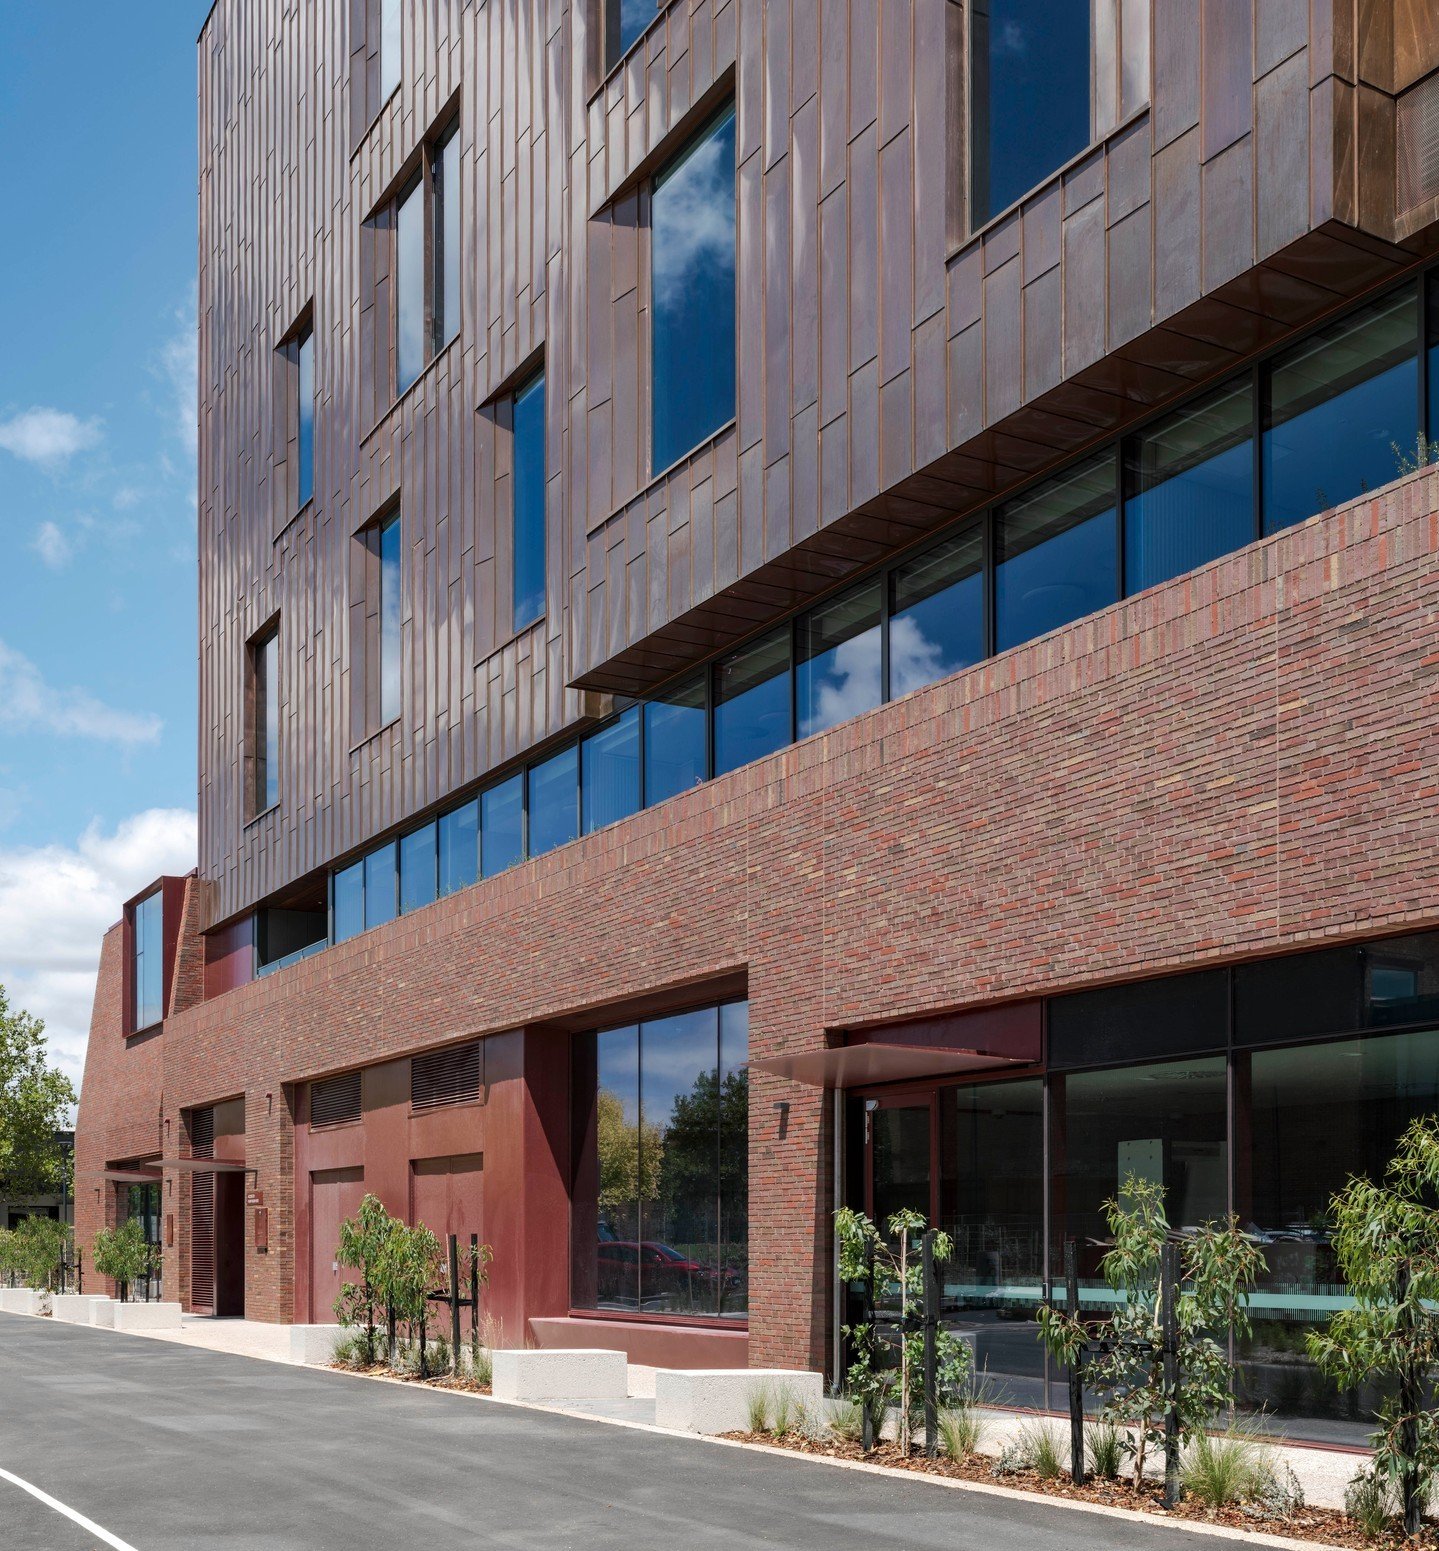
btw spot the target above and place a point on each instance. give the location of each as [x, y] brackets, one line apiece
[848, 684]
[1013, 39]
[694, 221]
[914, 660]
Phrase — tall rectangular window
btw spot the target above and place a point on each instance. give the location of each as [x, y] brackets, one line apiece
[553, 809]
[446, 173]
[752, 712]
[264, 737]
[610, 772]
[1056, 553]
[409, 283]
[936, 617]
[391, 56]
[418, 876]
[1189, 487]
[459, 847]
[388, 616]
[839, 659]
[676, 740]
[347, 902]
[529, 503]
[1030, 80]
[305, 419]
[692, 284]
[1337, 406]
[147, 920]
[625, 20]
[502, 826]
[381, 885]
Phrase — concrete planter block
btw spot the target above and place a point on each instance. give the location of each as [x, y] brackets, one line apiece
[313, 1344]
[102, 1313]
[560, 1374]
[147, 1316]
[75, 1308]
[716, 1400]
[21, 1300]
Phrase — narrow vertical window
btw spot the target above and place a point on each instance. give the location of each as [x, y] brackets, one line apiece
[265, 720]
[625, 20]
[390, 48]
[446, 173]
[692, 283]
[388, 616]
[305, 427]
[529, 504]
[1031, 69]
[147, 921]
[409, 282]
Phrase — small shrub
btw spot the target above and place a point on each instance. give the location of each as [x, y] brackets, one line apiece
[1371, 1501]
[1425, 452]
[785, 1411]
[482, 1368]
[437, 1355]
[1105, 1444]
[1280, 1494]
[1034, 1447]
[960, 1431]
[846, 1419]
[758, 1404]
[1224, 1470]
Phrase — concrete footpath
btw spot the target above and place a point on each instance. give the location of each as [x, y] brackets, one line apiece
[162, 1448]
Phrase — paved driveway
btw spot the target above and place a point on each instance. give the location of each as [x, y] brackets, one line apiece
[169, 1449]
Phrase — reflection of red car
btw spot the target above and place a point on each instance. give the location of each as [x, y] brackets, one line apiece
[662, 1269]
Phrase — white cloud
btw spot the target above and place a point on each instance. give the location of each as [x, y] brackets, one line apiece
[29, 704]
[126, 497]
[47, 436]
[56, 903]
[52, 546]
[699, 223]
[179, 365]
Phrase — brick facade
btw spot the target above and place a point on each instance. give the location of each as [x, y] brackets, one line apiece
[1239, 762]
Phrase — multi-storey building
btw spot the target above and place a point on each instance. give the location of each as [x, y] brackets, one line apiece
[801, 601]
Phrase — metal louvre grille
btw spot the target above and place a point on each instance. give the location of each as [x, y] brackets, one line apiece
[445, 1076]
[335, 1099]
[202, 1215]
[1417, 128]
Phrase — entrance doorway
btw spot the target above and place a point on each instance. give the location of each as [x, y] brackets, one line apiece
[335, 1194]
[970, 1158]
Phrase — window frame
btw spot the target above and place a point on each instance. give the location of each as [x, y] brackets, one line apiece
[426, 182]
[262, 697]
[138, 956]
[534, 382]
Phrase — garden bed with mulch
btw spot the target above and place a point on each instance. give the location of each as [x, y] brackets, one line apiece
[1324, 1526]
[454, 1381]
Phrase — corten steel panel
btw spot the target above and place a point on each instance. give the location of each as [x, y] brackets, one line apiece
[885, 351]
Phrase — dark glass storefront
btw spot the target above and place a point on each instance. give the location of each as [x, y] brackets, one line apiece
[660, 1197]
[1258, 1090]
[143, 1203]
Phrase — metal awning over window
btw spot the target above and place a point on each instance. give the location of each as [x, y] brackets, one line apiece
[207, 1165]
[140, 1174]
[856, 1066]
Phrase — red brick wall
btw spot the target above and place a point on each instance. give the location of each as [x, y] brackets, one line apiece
[1238, 762]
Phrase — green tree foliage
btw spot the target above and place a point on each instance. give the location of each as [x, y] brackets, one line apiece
[411, 1267]
[1386, 1240]
[35, 1100]
[9, 1256]
[39, 1247]
[122, 1254]
[898, 1269]
[1218, 1267]
[630, 1156]
[687, 1168]
[364, 1239]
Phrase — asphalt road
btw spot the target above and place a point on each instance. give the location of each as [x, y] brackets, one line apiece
[171, 1449]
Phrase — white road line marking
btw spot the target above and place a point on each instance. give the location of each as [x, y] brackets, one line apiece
[76, 1518]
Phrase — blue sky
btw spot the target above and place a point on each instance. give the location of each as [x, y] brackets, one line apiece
[97, 483]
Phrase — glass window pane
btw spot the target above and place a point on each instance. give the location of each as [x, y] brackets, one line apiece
[1338, 405]
[610, 787]
[269, 689]
[554, 801]
[752, 702]
[936, 621]
[679, 1114]
[447, 240]
[733, 1275]
[1401, 980]
[149, 966]
[675, 740]
[417, 868]
[1055, 553]
[1307, 1119]
[459, 844]
[502, 826]
[1029, 96]
[1431, 365]
[625, 20]
[349, 904]
[305, 391]
[1164, 1122]
[991, 1203]
[389, 613]
[839, 650]
[1190, 488]
[529, 498]
[410, 288]
[623, 1174]
[380, 886]
[389, 47]
[692, 277]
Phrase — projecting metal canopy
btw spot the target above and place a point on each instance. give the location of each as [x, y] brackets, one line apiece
[857, 1066]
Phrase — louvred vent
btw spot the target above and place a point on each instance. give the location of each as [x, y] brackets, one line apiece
[446, 1076]
[1418, 136]
[335, 1099]
[202, 1215]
